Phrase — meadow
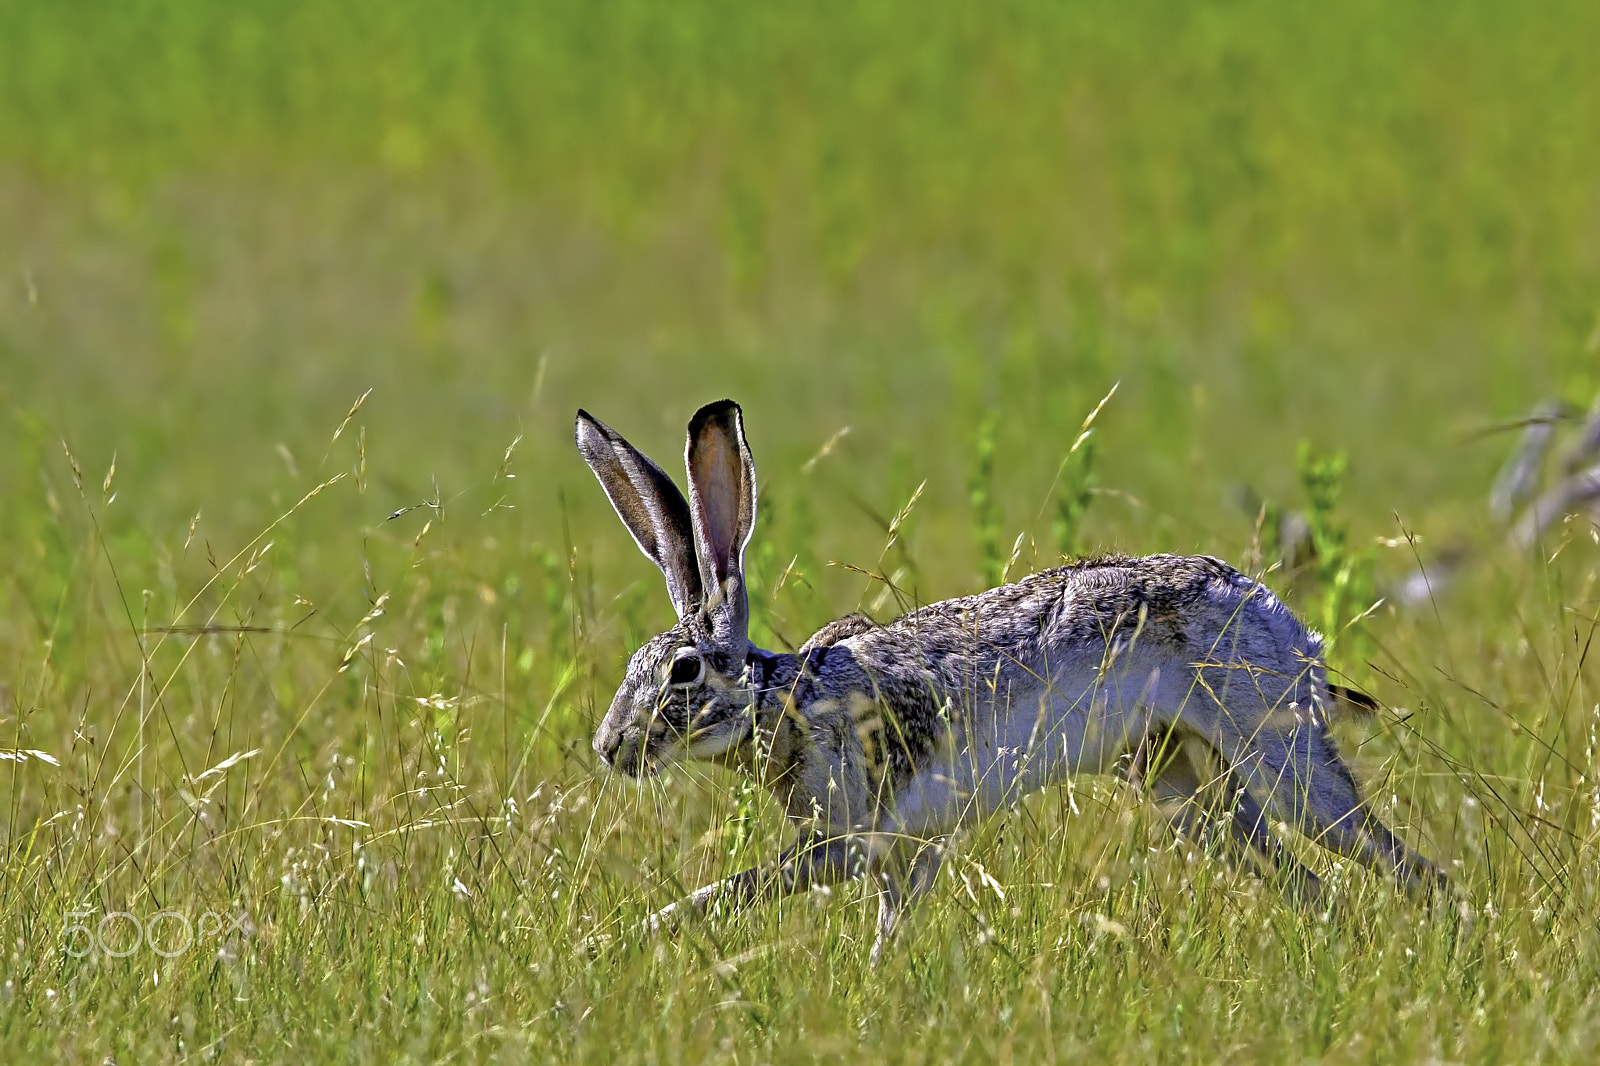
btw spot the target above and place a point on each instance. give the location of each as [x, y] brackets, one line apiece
[309, 606]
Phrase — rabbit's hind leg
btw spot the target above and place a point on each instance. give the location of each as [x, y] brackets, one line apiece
[1306, 784]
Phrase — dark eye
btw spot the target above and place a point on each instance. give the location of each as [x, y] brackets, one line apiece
[686, 669]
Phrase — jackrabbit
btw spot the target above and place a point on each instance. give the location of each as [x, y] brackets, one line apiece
[880, 740]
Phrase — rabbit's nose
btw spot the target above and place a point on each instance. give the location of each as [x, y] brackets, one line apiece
[606, 743]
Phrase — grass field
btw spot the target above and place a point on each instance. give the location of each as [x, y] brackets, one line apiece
[309, 606]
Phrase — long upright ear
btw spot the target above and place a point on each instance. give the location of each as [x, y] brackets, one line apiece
[649, 504]
[722, 504]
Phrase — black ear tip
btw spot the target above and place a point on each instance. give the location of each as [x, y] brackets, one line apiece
[589, 433]
[587, 422]
[711, 412]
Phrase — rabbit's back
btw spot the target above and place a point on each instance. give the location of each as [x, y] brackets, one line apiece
[1102, 607]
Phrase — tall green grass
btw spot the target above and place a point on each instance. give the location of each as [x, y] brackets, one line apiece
[325, 662]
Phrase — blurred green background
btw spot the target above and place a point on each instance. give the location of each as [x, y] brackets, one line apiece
[1369, 226]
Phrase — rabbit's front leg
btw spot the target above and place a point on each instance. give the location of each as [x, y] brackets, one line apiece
[811, 862]
[900, 890]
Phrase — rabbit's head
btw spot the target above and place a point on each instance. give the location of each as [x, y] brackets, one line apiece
[685, 695]
[686, 692]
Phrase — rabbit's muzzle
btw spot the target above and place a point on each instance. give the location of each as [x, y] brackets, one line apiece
[621, 748]
[629, 743]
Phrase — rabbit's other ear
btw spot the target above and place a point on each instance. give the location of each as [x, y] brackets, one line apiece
[649, 504]
[722, 499]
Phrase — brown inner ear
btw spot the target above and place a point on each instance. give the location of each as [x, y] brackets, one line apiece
[722, 502]
[720, 478]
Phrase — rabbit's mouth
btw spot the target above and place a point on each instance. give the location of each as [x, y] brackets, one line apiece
[624, 752]
[637, 752]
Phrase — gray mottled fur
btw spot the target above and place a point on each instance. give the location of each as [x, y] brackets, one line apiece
[879, 741]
